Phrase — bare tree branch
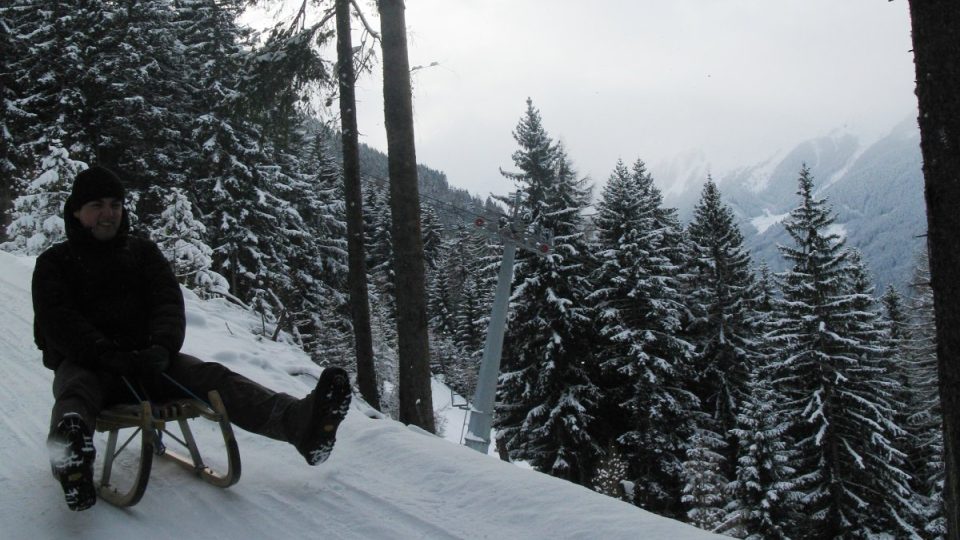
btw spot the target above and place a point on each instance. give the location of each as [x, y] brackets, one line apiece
[363, 19]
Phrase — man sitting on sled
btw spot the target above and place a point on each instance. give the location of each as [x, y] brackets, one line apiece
[109, 318]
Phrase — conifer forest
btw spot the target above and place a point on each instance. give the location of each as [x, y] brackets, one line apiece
[645, 358]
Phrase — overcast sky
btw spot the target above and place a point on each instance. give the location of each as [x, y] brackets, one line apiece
[737, 79]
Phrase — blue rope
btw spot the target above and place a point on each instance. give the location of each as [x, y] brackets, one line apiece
[185, 389]
[130, 386]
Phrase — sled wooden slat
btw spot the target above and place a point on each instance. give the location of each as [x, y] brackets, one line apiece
[150, 421]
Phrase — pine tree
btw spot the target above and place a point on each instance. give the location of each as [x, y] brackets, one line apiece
[643, 361]
[314, 249]
[180, 236]
[835, 393]
[226, 147]
[466, 275]
[471, 298]
[44, 112]
[898, 337]
[54, 42]
[887, 463]
[11, 114]
[432, 236]
[548, 399]
[611, 476]
[380, 244]
[704, 481]
[925, 420]
[37, 218]
[764, 493]
[446, 358]
[440, 303]
[763, 496]
[135, 93]
[720, 294]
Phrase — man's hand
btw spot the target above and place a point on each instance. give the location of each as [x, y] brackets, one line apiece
[117, 362]
[153, 360]
[90, 356]
[150, 361]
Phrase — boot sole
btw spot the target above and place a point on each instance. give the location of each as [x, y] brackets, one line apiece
[75, 474]
[330, 405]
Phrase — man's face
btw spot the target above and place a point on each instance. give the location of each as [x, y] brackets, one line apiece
[101, 216]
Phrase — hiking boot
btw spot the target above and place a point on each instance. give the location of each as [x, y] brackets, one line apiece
[71, 459]
[323, 410]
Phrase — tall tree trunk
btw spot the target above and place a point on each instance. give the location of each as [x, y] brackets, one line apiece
[357, 277]
[937, 59]
[416, 403]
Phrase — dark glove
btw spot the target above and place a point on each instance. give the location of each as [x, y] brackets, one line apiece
[150, 361]
[153, 360]
[118, 362]
[90, 356]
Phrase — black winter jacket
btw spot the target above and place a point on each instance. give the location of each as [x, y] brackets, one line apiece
[86, 291]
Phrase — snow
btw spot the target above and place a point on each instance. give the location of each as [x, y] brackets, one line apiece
[764, 222]
[384, 480]
[836, 229]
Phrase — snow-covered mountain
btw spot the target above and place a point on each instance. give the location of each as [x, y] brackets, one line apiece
[875, 188]
[686, 172]
[383, 481]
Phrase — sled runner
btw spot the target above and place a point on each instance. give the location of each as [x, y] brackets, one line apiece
[149, 421]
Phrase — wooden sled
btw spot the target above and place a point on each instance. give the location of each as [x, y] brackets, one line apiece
[150, 422]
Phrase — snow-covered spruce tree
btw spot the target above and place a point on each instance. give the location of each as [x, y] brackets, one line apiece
[440, 302]
[247, 141]
[763, 495]
[880, 378]
[463, 274]
[227, 148]
[834, 393]
[547, 397]
[319, 200]
[219, 165]
[470, 274]
[306, 189]
[432, 232]
[925, 421]
[53, 40]
[440, 310]
[37, 217]
[12, 117]
[612, 474]
[379, 253]
[44, 104]
[379, 244]
[180, 236]
[898, 335]
[137, 101]
[643, 362]
[471, 326]
[703, 479]
[720, 288]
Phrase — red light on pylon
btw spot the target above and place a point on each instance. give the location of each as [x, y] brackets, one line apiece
[479, 222]
[544, 248]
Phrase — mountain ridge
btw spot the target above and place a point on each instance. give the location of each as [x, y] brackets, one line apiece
[875, 188]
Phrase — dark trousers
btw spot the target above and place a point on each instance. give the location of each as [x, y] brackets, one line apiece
[251, 406]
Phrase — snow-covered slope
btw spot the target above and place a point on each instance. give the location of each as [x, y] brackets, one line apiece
[383, 481]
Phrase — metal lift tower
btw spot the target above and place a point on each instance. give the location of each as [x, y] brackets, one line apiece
[513, 235]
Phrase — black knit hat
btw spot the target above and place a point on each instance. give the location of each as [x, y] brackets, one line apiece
[93, 184]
